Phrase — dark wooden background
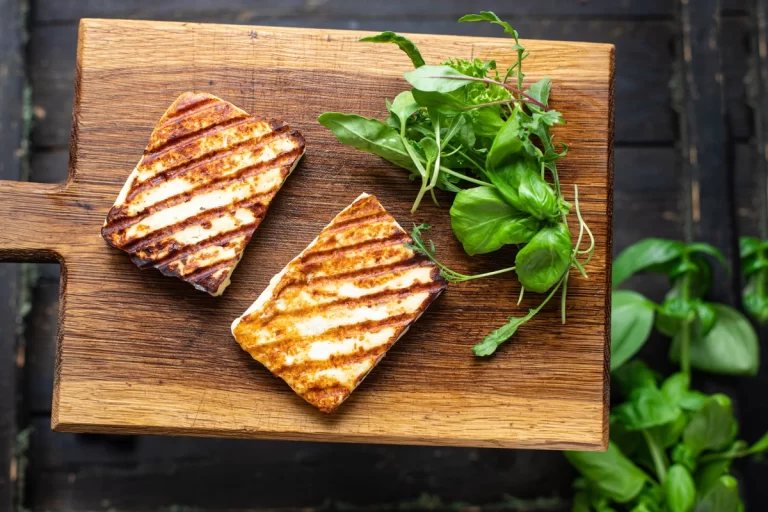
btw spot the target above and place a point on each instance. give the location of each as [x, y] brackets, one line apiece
[691, 107]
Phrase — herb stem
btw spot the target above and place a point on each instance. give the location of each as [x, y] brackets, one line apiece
[657, 454]
[562, 298]
[685, 331]
[522, 292]
[466, 178]
[480, 276]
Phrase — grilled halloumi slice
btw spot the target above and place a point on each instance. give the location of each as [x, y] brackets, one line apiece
[336, 309]
[200, 190]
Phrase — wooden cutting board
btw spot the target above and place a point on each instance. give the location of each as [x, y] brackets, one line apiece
[142, 353]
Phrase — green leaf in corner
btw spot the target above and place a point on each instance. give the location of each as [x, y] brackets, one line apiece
[631, 324]
[749, 246]
[645, 408]
[633, 375]
[610, 472]
[760, 446]
[644, 255]
[712, 428]
[704, 248]
[722, 497]
[708, 474]
[731, 347]
[403, 42]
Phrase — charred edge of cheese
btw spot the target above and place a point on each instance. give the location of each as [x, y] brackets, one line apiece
[123, 195]
[228, 280]
[270, 289]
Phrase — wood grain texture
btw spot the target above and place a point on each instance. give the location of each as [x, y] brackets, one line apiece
[138, 352]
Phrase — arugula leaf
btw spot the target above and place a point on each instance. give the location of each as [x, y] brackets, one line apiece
[491, 342]
[483, 222]
[403, 108]
[491, 17]
[403, 42]
[643, 255]
[445, 103]
[369, 135]
[731, 347]
[540, 92]
[631, 324]
[611, 472]
[437, 79]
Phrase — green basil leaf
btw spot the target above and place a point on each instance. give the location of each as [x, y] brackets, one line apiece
[749, 246]
[522, 186]
[633, 375]
[709, 473]
[483, 222]
[760, 446]
[611, 472]
[753, 265]
[755, 302]
[540, 92]
[369, 135]
[704, 248]
[712, 428]
[644, 254]
[731, 347]
[491, 17]
[631, 324]
[722, 497]
[404, 43]
[669, 434]
[492, 341]
[629, 441]
[437, 79]
[679, 489]
[692, 400]
[682, 454]
[676, 312]
[646, 407]
[443, 102]
[544, 260]
[506, 143]
[403, 107]
[675, 386]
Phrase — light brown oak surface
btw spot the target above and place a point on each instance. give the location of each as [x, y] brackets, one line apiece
[142, 353]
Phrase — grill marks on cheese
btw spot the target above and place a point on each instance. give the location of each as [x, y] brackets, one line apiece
[202, 187]
[333, 312]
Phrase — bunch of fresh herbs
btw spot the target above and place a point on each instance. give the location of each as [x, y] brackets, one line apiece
[463, 128]
[671, 447]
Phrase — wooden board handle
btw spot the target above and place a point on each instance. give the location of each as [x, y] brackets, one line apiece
[32, 224]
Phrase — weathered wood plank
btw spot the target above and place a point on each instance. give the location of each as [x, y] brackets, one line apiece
[709, 197]
[11, 127]
[643, 113]
[265, 11]
[735, 48]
